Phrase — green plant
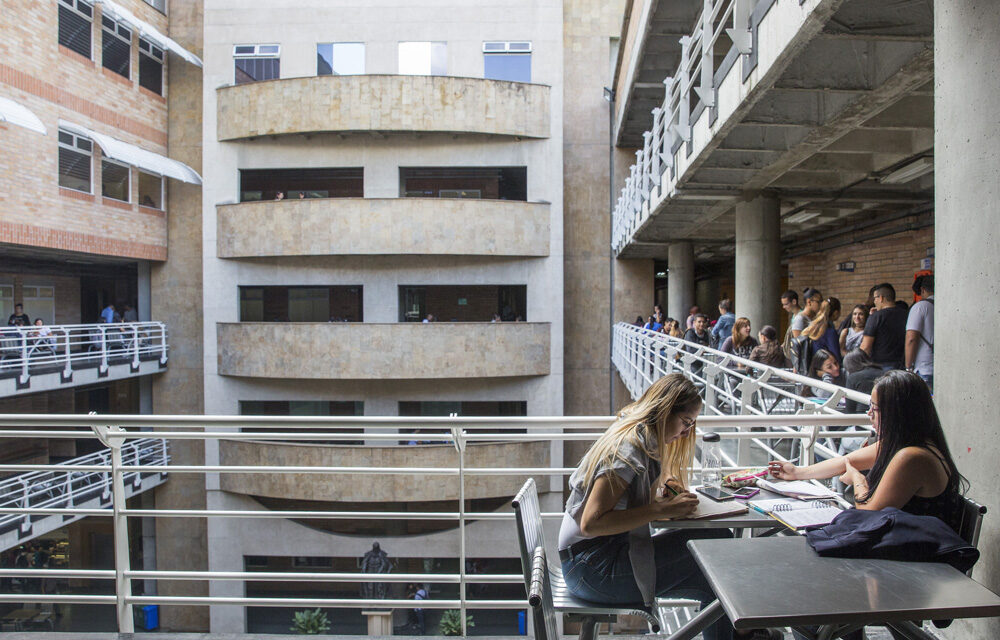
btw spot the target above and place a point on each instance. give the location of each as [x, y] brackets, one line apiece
[451, 623]
[310, 622]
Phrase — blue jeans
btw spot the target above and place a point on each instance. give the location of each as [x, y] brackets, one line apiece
[929, 379]
[602, 572]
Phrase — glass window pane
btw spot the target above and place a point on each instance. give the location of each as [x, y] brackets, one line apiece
[513, 67]
[74, 170]
[257, 69]
[439, 59]
[150, 190]
[348, 58]
[117, 52]
[423, 58]
[74, 31]
[309, 304]
[324, 59]
[151, 73]
[251, 304]
[114, 181]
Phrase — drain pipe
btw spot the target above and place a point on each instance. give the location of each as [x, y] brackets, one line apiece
[609, 95]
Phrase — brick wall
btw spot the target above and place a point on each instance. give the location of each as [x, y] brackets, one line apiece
[894, 259]
[67, 294]
[56, 83]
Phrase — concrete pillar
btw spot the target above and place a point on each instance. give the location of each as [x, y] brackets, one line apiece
[706, 294]
[967, 219]
[680, 280]
[758, 262]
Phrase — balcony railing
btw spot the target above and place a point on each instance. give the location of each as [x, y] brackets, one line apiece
[66, 348]
[459, 432]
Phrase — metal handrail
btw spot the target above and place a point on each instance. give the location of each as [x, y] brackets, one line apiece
[692, 82]
[125, 459]
[72, 346]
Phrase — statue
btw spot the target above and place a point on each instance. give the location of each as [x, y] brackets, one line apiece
[375, 561]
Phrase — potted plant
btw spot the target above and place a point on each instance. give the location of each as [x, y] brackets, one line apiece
[451, 623]
[310, 622]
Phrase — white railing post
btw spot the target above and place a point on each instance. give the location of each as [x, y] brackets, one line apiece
[459, 440]
[706, 91]
[683, 126]
[25, 376]
[68, 370]
[740, 33]
[104, 348]
[135, 346]
[123, 584]
[163, 343]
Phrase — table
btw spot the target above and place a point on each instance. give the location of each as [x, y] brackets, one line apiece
[18, 617]
[781, 581]
[749, 520]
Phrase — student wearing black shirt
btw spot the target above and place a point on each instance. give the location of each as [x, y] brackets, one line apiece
[885, 331]
[18, 315]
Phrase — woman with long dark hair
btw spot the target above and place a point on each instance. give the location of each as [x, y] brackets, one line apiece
[741, 343]
[850, 337]
[909, 466]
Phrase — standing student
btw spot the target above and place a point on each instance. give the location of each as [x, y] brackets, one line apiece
[605, 546]
[724, 326]
[919, 347]
[821, 330]
[790, 303]
[741, 344]
[885, 331]
[851, 335]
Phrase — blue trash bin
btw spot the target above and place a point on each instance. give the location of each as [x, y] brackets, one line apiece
[522, 627]
[151, 617]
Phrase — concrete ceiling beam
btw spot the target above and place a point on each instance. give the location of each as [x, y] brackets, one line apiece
[862, 162]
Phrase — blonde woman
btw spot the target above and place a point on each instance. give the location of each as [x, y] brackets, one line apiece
[822, 329]
[618, 489]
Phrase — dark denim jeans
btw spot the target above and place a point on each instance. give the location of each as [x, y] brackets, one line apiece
[602, 572]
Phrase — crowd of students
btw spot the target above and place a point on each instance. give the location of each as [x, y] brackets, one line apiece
[884, 332]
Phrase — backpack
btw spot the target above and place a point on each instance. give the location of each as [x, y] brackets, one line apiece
[801, 352]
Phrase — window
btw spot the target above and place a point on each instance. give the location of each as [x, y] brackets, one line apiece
[159, 5]
[341, 303]
[257, 62]
[333, 182]
[150, 190]
[423, 58]
[305, 408]
[6, 301]
[117, 46]
[114, 180]
[39, 302]
[463, 303]
[490, 183]
[74, 161]
[150, 66]
[507, 61]
[75, 18]
[340, 59]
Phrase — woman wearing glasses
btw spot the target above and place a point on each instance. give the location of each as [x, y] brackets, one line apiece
[635, 473]
[908, 467]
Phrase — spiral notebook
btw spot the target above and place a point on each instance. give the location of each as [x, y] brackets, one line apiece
[796, 514]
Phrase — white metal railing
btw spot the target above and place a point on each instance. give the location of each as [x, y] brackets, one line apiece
[691, 84]
[72, 482]
[65, 347]
[729, 384]
[119, 432]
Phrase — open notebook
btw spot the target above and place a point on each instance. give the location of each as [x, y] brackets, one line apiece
[708, 508]
[798, 514]
[795, 489]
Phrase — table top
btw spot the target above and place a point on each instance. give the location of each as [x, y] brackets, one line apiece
[780, 581]
[749, 520]
[21, 614]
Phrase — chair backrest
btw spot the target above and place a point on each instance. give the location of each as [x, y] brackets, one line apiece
[530, 534]
[543, 611]
[970, 521]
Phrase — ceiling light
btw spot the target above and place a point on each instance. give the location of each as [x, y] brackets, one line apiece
[912, 171]
[801, 216]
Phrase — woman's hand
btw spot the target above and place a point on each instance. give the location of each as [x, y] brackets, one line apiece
[783, 470]
[851, 475]
[677, 506]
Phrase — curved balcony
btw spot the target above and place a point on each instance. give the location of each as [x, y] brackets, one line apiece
[381, 488]
[390, 226]
[383, 103]
[392, 351]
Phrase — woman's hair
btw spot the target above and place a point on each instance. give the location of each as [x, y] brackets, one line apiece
[828, 313]
[864, 310]
[667, 396]
[638, 320]
[769, 332]
[818, 360]
[738, 338]
[907, 418]
[858, 360]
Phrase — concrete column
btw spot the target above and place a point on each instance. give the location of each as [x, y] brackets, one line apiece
[680, 280]
[967, 219]
[143, 302]
[758, 262]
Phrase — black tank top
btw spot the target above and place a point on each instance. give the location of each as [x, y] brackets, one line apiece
[947, 505]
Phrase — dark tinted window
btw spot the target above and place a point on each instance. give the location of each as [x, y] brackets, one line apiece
[75, 26]
[114, 181]
[334, 182]
[257, 69]
[117, 47]
[150, 67]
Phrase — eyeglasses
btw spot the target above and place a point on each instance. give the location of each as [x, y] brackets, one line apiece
[688, 424]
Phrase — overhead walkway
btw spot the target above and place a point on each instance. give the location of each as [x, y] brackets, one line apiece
[34, 359]
[73, 488]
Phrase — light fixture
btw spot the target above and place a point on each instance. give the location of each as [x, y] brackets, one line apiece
[609, 94]
[908, 172]
[801, 216]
